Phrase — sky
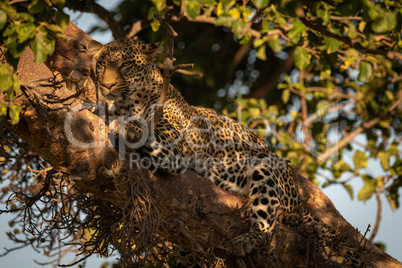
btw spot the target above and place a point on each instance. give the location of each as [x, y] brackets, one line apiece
[357, 213]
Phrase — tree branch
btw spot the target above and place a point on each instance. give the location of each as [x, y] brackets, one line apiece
[168, 68]
[378, 218]
[304, 110]
[345, 141]
[103, 13]
[347, 40]
[191, 208]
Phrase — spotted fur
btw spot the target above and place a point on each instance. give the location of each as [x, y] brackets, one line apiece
[215, 146]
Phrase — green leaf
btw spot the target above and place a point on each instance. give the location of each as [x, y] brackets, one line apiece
[224, 20]
[260, 4]
[370, 11]
[10, 30]
[393, 191]
[160, 4]
[227, 5]
[13, 47]
[380, 246]
[368, 189]
[365, 71]
[325, 68]
[55, 29]
[36, 6]
[324, 15]
[326, 184]
[359, 160]
[254, 111]
[261, 53]
[389, 94]
[246, 13]
[362, 26]
[384, 158]
[155, 24]
[245, 39]
[322, 107]
[275, 45]
[258, 42]
[62, 19]
[285, 96]
[3, 19]
[42, 46]
[15, 114]
[12, 14]
[16, 83]
[384, 23]
[342, 166]
[348, 8]
[237, 28]
[340, 260]
[26, 17]
[301, 58]
[207, 3]
[25, 31]
[3, 111]
[349, 189]
[297, 31]
[332, 44]
[6, 83]
[265, 26]
[60, 3]
[262, 104]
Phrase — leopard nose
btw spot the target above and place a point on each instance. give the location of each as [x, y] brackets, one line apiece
[109, 85]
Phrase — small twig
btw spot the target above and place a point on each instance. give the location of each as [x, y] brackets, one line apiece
[185, 72]
[378, 219]
[35, 104]
[391, 54]
[168, 67]
[379, 212]
[31, 200]
[304, 110]
[345, 141]
[104, 14]
[16, 2]
[181, 66]
[364, 236]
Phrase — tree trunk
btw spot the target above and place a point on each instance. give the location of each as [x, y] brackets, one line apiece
[195, 213]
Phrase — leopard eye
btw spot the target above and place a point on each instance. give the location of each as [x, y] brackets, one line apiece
[126, 64]
[101, 63]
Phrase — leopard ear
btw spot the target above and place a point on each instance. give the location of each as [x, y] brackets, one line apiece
[152, 50]
[94, 47]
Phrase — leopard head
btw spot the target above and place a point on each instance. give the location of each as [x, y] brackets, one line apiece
[122, 65]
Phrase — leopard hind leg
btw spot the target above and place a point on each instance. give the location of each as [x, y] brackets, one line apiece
[263, 211]
[265, 194]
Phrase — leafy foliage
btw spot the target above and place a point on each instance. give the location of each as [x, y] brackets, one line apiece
[19, 30]
[320, 81]
[345, 84]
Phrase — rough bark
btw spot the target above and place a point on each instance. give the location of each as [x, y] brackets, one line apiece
[197, 214]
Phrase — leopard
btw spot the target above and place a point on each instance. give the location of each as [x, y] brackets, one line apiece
[189, 137]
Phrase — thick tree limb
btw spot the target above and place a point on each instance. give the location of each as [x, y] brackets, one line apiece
[190, 206]
[103, 13]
